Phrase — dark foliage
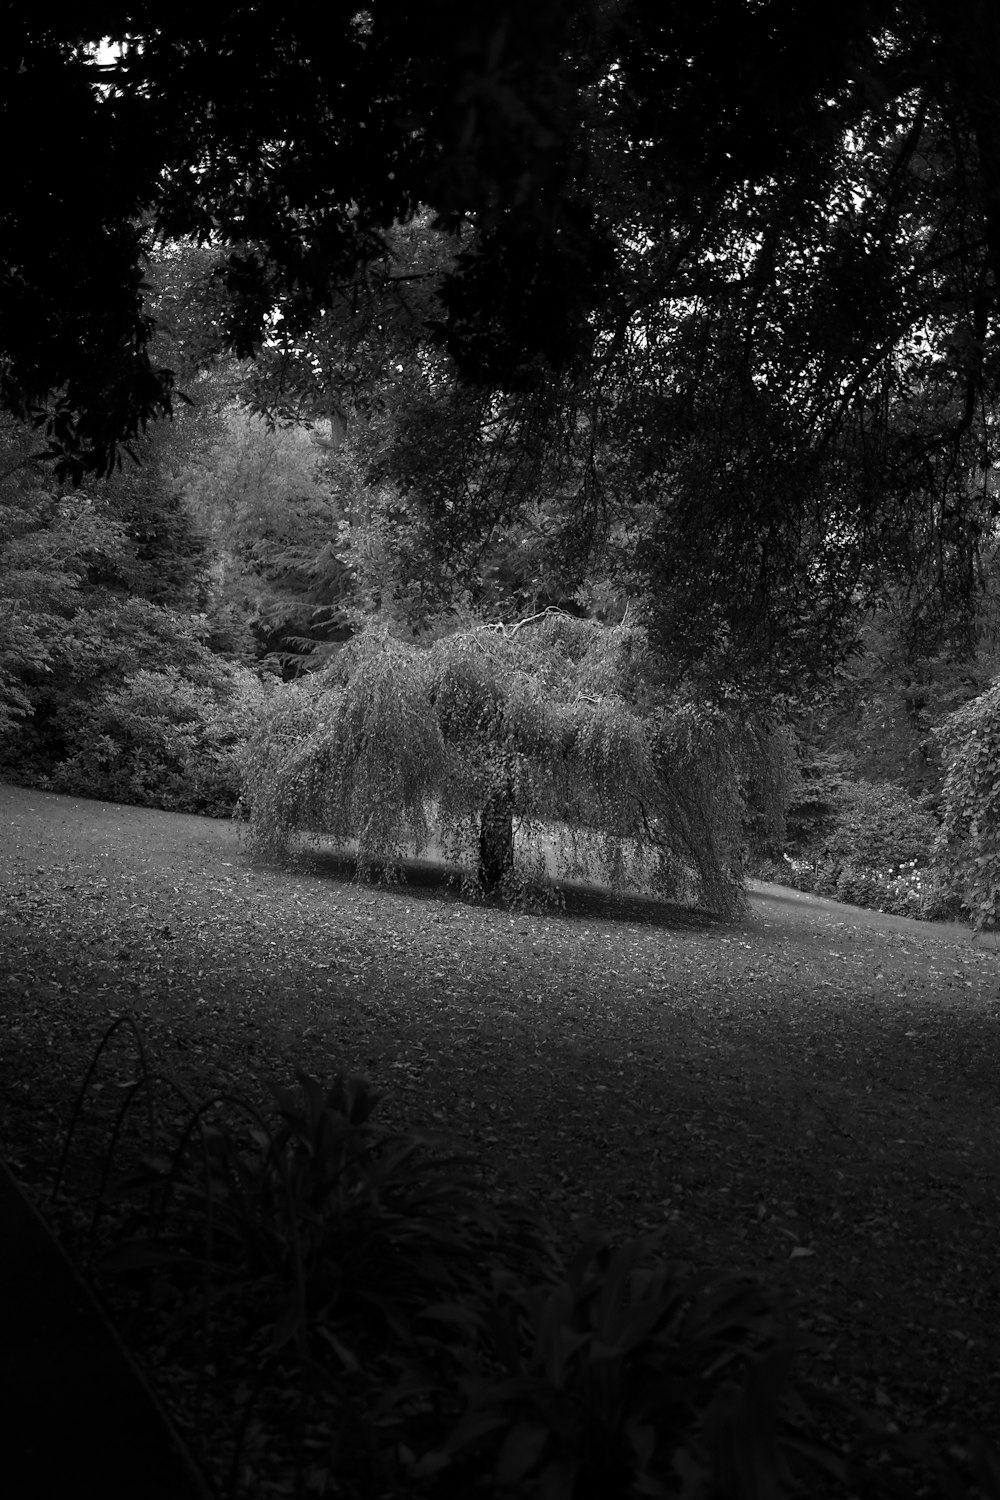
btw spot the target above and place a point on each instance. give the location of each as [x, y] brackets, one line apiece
[439, 1345]
[597, 158]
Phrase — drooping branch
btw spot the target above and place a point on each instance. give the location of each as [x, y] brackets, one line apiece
[543, 731]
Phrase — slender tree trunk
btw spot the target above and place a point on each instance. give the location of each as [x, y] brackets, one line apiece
[338, 426]
[496, 842]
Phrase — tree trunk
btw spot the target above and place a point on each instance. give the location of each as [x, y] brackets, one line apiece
[496, 842]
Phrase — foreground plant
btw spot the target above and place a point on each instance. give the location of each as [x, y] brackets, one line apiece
[621, 1376]
[347, 1225]
[364, 1324]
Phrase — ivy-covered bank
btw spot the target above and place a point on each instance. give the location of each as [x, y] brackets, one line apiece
[968, 849]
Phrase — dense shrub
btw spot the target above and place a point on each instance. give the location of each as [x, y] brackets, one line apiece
[50, 546]
[102, 691]
[868, 844]
[967, 856]
[131, 706]
[878, 826]
[163, 740]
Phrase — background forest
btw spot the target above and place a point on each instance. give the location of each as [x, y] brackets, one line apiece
[345, 495]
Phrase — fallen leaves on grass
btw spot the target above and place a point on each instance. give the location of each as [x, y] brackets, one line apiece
[813, 1103]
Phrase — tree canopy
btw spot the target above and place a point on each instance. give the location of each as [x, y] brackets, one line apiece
[724, 276]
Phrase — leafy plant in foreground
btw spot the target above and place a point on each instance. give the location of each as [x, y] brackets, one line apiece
[376, 1330]
[350, 1228]
[624, 1376]
[308, 1251]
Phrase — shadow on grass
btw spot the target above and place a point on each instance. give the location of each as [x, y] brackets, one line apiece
[568, 900]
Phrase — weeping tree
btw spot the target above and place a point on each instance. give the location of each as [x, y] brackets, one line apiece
[495, 738]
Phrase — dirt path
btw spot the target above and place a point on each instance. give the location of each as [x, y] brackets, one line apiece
[813, 1096]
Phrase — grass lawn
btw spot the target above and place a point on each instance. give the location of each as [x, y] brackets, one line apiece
[812, 1096]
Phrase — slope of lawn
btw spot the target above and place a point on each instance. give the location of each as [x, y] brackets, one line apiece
[812, 1096]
